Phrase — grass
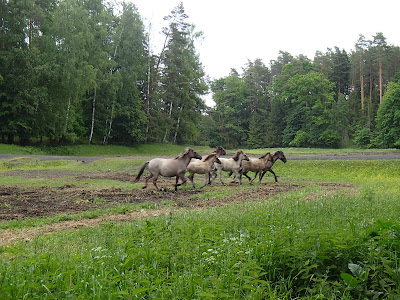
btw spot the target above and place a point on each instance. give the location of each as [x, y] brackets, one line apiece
[99, 150]
[162, 149]
[302, 244]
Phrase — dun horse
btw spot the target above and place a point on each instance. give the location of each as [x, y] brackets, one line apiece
[202, 167]
[168, 167]
[271, 159]
[195, 164]
[256, 165]
[233, 164]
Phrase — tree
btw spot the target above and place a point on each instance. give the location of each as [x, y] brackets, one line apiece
[381, 53]
[182, 81]
[359, 54]
[21, 73]
[128, 114]
[310, 99]
[388, 117]
[257, 78]
[231, 115]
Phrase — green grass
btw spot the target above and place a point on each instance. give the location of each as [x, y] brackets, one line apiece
[312, 243]
[100, 150]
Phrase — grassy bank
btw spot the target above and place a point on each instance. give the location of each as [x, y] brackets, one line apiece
[312, 243]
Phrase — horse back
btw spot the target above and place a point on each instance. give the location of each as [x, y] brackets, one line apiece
[167, 167]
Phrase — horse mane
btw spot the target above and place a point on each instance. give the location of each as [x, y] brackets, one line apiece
[236, 157]
[265, 155]
[184, 153]
[210, 156]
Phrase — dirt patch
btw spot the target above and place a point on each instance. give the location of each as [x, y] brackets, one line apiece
[21, 203]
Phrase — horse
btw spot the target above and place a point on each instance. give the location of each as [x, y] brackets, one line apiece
[277, 155]
[203, 167]
[233, 164]
[269, 162]
[256, 165]
[169, 167]
[219, 151]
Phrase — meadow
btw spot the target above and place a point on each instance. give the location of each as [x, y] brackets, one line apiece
[336, 236]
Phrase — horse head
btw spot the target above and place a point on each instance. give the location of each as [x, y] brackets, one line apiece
[220, 151]
[240, 155]
[189, 152]
[279, 155]
[193, 154]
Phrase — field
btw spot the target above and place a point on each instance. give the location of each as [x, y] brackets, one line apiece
[73, 229]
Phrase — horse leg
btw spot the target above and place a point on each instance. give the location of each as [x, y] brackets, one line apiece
[262, 175]
[147, 179]
[248, 177]
[219, 175]
[259, 177]
[237, 177]
[183, 178]
[207, 180]
[211, 176]
[251, 181]
[155, 181]
[276, 179]
[191, 176]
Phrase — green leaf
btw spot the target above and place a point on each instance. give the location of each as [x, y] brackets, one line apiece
[206, 295]
[357, 270]
[138, 291]
[349, 279]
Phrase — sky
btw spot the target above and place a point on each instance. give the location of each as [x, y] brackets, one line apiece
[237, 31]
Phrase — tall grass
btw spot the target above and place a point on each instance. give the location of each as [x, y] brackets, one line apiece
[304, 244]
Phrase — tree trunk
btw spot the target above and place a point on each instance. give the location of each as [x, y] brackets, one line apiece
[93, 110]
[166, 130]
[67, 116]
[362, 84]
[370, 86]
[177, 124]
[107, 135]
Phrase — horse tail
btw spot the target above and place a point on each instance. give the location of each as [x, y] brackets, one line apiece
[141, 171]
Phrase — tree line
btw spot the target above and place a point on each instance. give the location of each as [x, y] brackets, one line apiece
[74, 71]
[339, 99]
[82, 70]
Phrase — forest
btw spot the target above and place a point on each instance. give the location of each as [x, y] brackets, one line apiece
[82, 71]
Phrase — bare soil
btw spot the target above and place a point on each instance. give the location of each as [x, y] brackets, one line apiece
[22, 203]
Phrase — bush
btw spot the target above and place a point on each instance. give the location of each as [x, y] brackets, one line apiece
[300, 140]
[330, 138]
[363, 137]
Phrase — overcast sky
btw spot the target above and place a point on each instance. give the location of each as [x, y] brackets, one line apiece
[238, 31]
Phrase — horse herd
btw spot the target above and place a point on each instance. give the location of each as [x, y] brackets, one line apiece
[211, 165]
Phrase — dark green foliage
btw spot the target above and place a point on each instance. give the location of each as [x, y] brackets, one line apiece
[388, 117]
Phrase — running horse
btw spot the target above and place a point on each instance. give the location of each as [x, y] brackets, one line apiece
[205, 166]
[233, 164]
[271, 159]
[168, 167]
[256, 165]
